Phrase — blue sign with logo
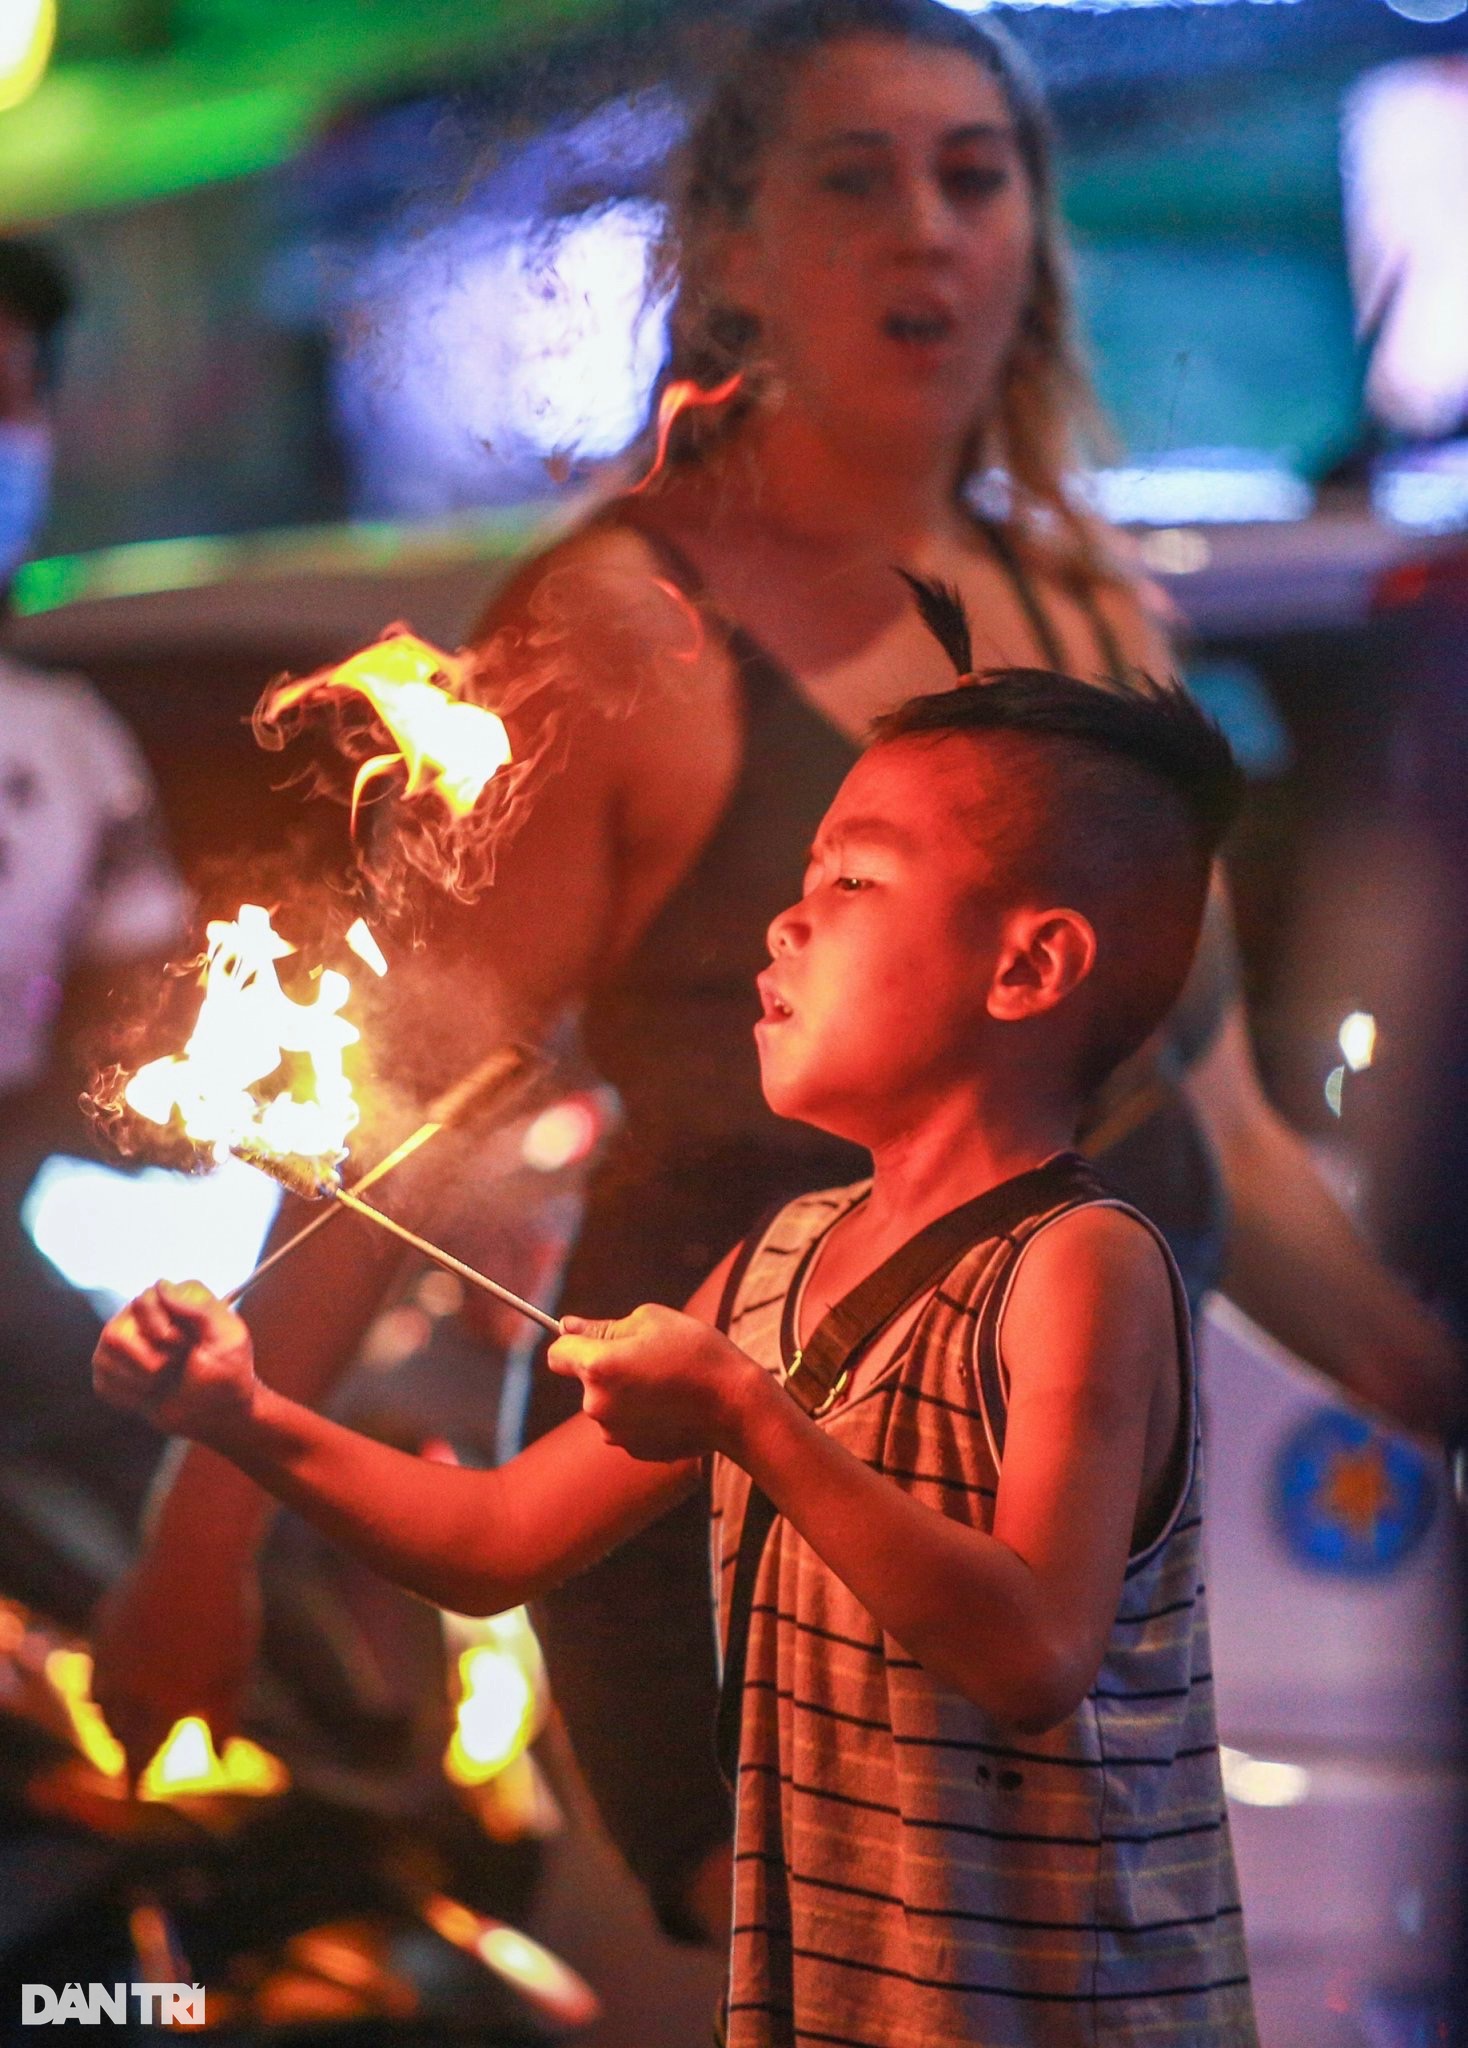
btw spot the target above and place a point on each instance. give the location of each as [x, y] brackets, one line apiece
[1350, 1498]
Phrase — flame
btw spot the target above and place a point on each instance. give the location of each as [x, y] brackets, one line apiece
[187, 1765]
[449, 748]
[246, 1028]
[681, 396]
[365, 946]
[550, 1985]
[495, 1717]
[69, 1674]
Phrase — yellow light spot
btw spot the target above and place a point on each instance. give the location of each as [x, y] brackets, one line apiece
[1255, 1781]
[495, 1718]
[1357, 1040]
[187, 1765]
[1175, 550]
[69, 1673]
[27, 35]
[560, 1135]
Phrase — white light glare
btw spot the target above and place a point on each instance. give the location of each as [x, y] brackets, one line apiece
[1357, 1040]
[1404, 168]
[560, 1135]
[1425, 491]
[1251, 1781]
[1203, 487]
[1175, 551]
[498, 345]
[112, 1234]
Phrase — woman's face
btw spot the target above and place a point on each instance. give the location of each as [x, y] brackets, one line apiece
[890, 246]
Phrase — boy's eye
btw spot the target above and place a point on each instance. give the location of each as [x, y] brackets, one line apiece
[849, 884]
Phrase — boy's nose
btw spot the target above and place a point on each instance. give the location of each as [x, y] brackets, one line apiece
[786, 931]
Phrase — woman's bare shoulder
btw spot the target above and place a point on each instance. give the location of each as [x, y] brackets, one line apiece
[603, 554]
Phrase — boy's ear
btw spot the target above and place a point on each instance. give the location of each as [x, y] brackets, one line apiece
[1043, 956]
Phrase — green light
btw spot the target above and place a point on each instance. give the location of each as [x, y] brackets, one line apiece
[238, 90]
[146, 567]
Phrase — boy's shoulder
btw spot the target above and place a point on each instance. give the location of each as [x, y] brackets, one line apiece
[1102, 1229]
[1093, 1285]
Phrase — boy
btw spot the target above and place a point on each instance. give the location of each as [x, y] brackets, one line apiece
[952, 1444]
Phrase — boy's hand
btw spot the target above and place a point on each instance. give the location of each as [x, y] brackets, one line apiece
[179, 1358]
[660, 1385]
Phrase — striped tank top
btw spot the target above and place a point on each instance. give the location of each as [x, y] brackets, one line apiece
[909, 1873]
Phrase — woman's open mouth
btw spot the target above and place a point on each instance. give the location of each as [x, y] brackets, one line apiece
[919, 326]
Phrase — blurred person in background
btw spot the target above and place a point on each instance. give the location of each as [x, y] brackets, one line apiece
[866, 232]
[86, 891]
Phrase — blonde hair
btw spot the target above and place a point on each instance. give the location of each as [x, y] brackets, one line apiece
[1046, 415]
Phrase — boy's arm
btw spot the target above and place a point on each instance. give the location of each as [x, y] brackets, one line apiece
[1017, 1620]
[473, 1541]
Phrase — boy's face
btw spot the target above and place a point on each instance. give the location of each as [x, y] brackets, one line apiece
[876, 994]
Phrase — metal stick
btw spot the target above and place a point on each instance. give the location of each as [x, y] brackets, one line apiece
[324, 1216]
[507, 1065]
[450, 1264]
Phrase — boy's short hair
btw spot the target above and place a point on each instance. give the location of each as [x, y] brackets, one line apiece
[1114, 797]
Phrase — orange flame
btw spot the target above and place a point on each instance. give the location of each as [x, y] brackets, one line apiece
[69, 1674]
[550, 1985]
[363, 942]
[681, 396]
[247, 1029]
[186, 1764]
[449, 747]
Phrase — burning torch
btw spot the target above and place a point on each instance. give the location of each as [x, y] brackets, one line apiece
[262, 1074]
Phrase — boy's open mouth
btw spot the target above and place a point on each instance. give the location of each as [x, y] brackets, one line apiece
[773, 1005]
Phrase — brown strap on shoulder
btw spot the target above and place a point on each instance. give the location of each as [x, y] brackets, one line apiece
[817, 1372]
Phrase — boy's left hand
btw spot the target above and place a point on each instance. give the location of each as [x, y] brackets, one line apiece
[661, 1385]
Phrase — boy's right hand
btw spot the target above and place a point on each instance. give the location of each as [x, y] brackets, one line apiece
[181, 1359]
